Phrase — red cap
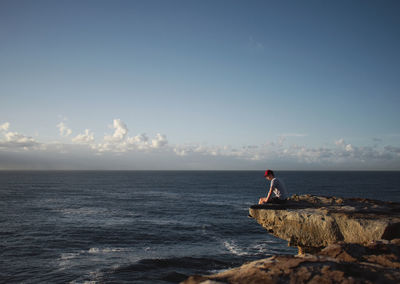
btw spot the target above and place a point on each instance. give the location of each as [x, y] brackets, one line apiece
[267, 172]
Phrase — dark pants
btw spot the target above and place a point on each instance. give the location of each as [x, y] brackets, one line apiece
[276, 200]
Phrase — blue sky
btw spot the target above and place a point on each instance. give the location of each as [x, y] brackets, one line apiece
[211, 84]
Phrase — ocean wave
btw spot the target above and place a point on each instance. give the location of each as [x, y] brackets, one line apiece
[251, 249]
[106, 250]
[233, 248]
[93, 250]
[69, 255]
[70, 259]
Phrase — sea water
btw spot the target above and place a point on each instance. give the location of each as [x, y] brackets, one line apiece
[148, 226]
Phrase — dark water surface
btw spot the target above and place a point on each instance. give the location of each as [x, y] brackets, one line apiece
[148, 227]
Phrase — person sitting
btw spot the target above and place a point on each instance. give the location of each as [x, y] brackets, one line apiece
[276, 187]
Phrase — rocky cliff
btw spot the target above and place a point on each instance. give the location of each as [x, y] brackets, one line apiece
[353, 240]
[315, 221]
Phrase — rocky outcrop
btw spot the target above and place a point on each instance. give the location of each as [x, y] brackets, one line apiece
[315, 221]
[353, 240]
[378, 262]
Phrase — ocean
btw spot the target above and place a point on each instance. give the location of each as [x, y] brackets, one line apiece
[148, 226]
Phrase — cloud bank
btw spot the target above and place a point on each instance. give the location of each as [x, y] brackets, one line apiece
[120, 150]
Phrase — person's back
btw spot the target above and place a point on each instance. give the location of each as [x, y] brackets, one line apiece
[277, 187]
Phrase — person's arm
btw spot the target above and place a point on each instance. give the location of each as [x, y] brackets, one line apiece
[265, 199]
[269, 194]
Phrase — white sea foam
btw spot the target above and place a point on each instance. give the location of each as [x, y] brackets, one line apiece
[68, 255]
[216, 271]
[68, 259]
[94, 250]
[234, 248]
[84, 282]
[261, 248]
[105, 250]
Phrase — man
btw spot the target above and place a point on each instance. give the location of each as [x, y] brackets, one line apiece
[276, 187]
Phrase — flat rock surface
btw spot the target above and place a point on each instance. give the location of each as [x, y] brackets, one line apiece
[317, 221]
[378, 262]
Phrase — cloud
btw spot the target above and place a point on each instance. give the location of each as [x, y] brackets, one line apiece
[278, 153]
[119, 133]
[15, 137]
[64, 130]
[343, 156]
[4, 126]
[340, 142]
[349, 148]
[392, 149]
[140, 142]
[85, 138]
[159, 142]
[15, 141]
[121, 142]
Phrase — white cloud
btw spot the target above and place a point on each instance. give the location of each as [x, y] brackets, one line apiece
[119, 133]
[159, 141]
[18, 138]
[15, 140]
[340, 142]
[349, 148]
[64, 130]
[346, 155]
[84, 138]
[119, 141]
[280, 152]
[140, 142]
[180, 152]
[4, 126]
[186, 149]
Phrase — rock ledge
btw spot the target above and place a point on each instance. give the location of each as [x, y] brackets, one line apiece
[316, 221]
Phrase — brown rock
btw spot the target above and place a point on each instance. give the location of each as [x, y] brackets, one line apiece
[338, 263]
[317, 221]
